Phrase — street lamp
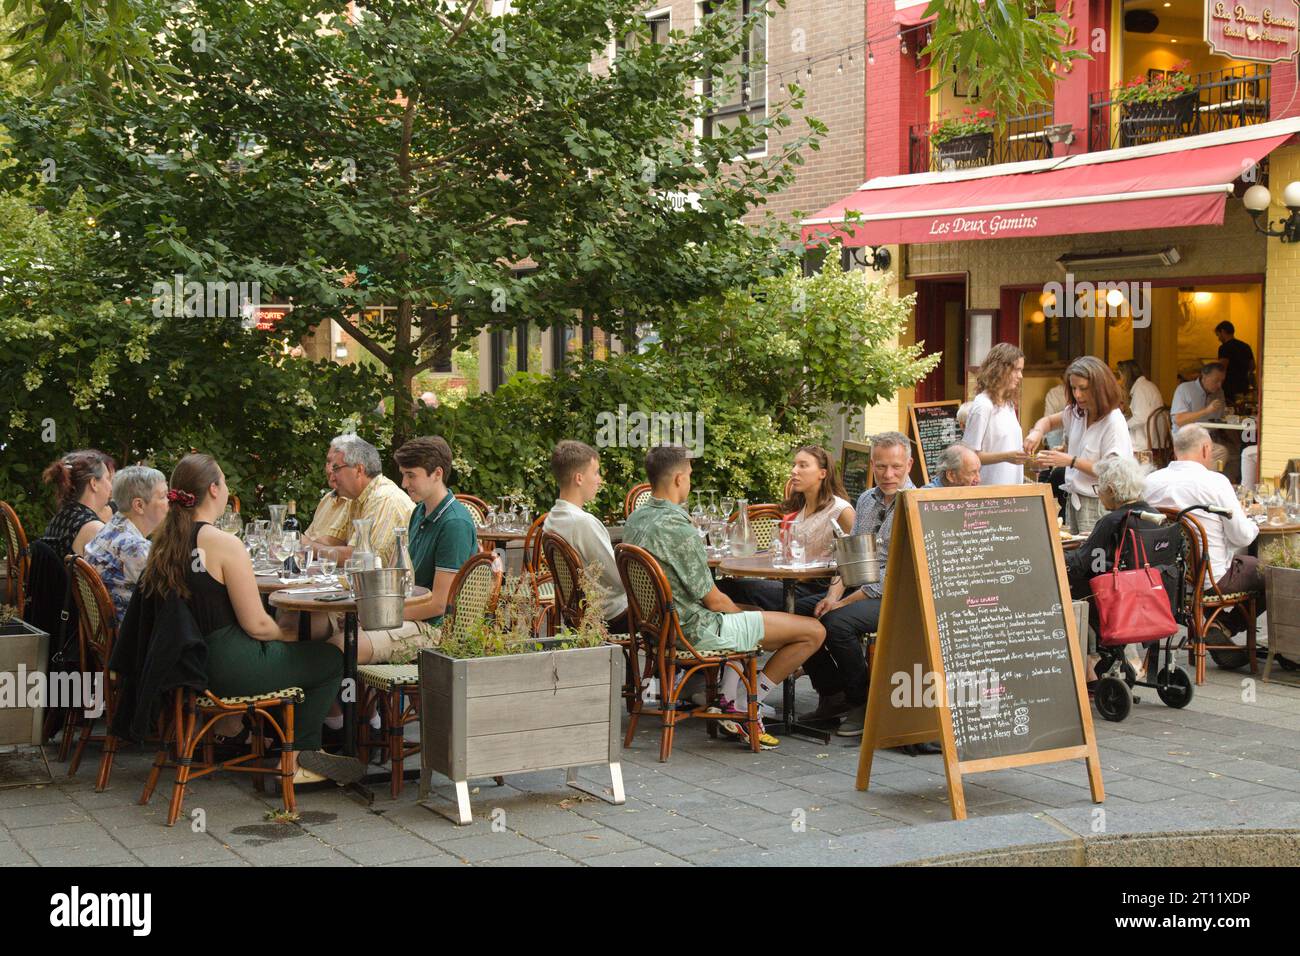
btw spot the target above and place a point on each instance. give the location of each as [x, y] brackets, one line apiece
[1257, 200]
[879, 259]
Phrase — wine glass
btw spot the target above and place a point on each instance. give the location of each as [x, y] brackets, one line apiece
[728, 506]
[329, 562]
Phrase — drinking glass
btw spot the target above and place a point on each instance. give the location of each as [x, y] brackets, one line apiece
[350, 567]
[728, 505]
[281, 548]
[798, 549]
[329, 562]
[304, 554]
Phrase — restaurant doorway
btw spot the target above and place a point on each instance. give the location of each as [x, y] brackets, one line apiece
[941, 325]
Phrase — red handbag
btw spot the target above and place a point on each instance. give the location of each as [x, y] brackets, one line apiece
[1132, 606]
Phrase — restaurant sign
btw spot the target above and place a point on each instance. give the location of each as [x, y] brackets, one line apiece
[1259, 30]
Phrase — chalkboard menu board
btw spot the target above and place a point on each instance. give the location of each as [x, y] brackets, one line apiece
[855, 468]
[934, 428]
[1001, 627]
[977, 645]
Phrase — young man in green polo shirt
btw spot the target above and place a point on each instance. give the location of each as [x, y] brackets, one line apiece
[710, 620]
[442, 531]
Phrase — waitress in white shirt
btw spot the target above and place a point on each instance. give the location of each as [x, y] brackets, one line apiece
[1143, 398]
[1094, 429]
[992, 426]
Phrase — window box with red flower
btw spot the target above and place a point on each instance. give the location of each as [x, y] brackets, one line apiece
[965, 140]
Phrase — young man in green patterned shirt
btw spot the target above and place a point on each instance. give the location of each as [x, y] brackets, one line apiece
[710, 620]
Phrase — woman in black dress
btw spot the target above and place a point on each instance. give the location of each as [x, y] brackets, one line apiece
[83, 483]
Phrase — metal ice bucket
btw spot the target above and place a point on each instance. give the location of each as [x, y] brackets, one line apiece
[381, 597]
[856, 559]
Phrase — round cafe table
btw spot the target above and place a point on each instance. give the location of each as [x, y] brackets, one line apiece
[286, 597]
[1291, 530]
[761, 566]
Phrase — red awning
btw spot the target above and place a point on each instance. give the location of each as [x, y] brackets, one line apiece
[1184, 182]
[912, 16]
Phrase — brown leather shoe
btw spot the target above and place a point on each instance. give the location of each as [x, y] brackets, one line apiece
[829, 707]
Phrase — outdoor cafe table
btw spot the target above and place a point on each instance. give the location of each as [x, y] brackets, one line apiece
[496, 537]
[761, 566]
[285, 598]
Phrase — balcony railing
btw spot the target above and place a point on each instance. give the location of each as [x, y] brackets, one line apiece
[1024, 137]
[1221, 99]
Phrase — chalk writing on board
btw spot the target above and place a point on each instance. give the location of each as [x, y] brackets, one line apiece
[936, 429]
[998, 611]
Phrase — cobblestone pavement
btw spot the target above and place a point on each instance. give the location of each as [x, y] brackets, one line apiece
[713, 803]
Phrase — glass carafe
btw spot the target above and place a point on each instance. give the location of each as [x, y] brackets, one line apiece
[277, 517]
[362, 550]
[402, 558]
[1293, 494]
[741, 536]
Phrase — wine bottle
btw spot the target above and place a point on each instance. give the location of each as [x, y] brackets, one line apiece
[291, 523]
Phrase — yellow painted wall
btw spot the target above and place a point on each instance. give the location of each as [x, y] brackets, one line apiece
[1280, 425]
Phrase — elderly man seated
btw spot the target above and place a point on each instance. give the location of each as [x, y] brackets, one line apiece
[958, 467]
[1189, 481]
[709, 619]
[358, 477]
[119, 551]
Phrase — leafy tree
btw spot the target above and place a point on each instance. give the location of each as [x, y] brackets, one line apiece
[85, 365]
[1006, 47]
[470, 171]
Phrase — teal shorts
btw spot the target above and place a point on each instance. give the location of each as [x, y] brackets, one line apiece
[736, 632]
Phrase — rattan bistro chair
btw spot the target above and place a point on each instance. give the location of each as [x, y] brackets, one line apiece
[396, 687]
[1205, 601]
[653, 624]
[17, 558]
[565, 565]
[1160, 437]
[534, 566]
[96, 635]
[478, 508]
[187, 721]
[636, 496]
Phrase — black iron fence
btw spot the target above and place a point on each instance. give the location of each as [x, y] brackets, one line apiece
[1024, 137]
[1218, 100]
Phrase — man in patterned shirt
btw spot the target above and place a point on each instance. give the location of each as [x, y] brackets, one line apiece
[839, 670]
[709, 619]
[358, 477]
[119, 552]
[329, 526]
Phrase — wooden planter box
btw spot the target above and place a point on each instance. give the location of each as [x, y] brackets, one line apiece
[24, 651]
[973, 150]
[1282, 592]
[492, 716]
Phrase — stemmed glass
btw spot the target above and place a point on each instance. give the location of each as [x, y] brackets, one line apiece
[329, 562]
[728, 506]
[282, 546]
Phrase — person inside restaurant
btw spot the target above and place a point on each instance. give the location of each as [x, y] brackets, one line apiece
[120, 550]
[817, 500]
[1094, 429]
[839, 670]
[1119, 486]
[993, 428]
[958, 466]
[1144, 398]
[1238, 360]
[248, 653]
[709, 619]
[358, 477]
[83, 486]
[1201, 400]
[1191, 480]
[576, 467]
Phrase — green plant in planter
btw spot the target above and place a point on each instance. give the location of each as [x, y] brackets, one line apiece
[510, 629]
[1158, 89]
[1284, 553]
[970, 123]
[8, 614]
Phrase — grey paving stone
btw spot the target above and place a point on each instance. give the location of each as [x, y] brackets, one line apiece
[64, 834]
[646, 856]
[391, 849]
[155, 834]
[81, 856]
[208, 851]
[689, 840]
[543, 858]
[595, 842]
[17, 818]
[435, 859]
[11, 854]
[489, 846]
[11, 797]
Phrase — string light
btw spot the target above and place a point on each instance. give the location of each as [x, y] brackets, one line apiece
[871, 57]
[840, 69]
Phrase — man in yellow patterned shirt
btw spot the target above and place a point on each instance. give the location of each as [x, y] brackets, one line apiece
[354, 465]
[329, 523]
